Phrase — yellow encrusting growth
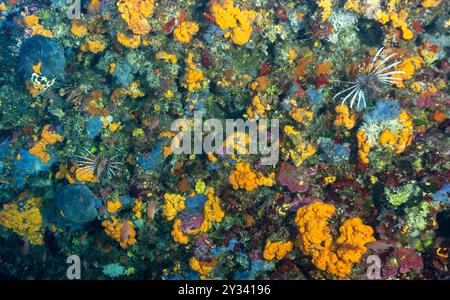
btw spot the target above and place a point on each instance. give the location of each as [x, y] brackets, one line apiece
[344, 117]
[202, 267]
[85, 175]
[193, 77]
[135, 14]
[132, 41]
[113, 206]
[166, 57]
[316, 240]
[325, 5]
[25, 220]
[184, 31]
[403, 138]
[237, 23]
[277, 250]
[173, 204]
[363, 146]
[123, 232]
[245, 178]
[32, 22]
[178, 235]
[49, 136]
[94, 45]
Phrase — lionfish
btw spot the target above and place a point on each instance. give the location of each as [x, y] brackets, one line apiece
[370, 78]
[98, 164]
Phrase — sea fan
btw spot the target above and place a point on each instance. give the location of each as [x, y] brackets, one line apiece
[378, 72]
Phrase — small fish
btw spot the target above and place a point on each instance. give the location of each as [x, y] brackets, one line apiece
[100, 168]
[124, 232]
[83, 237]
[154, 123]
[151, 209]
[25, 247]
[380, 245]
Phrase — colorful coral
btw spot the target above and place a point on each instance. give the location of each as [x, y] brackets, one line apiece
[237, 23]
[224, 139]
[277, 250]
[25, 220]
[135, 14]
[122, 231]
[316, 239]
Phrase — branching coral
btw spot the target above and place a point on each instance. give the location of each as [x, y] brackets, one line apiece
[24, 220]
[316, 240]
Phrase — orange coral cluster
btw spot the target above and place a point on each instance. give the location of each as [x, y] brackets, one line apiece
[85, 175]
[32, 22]
[79, 28]
[63, 172]
[363, 146]
[184, 31]
[25, 220]
[408, 66]
[94, 45]
[175, 203]
[344, 117]
[202, 267]
[237, 23]
[316, 240]
[49, 136]
[122, 232]
[243, 177]
[402, 139]
[257, 108]
[178, 235]
[277, 250]
[300, 114]
[194, 75]
[301, 151]
[135, 13]
[132, 42]
[398, 20]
